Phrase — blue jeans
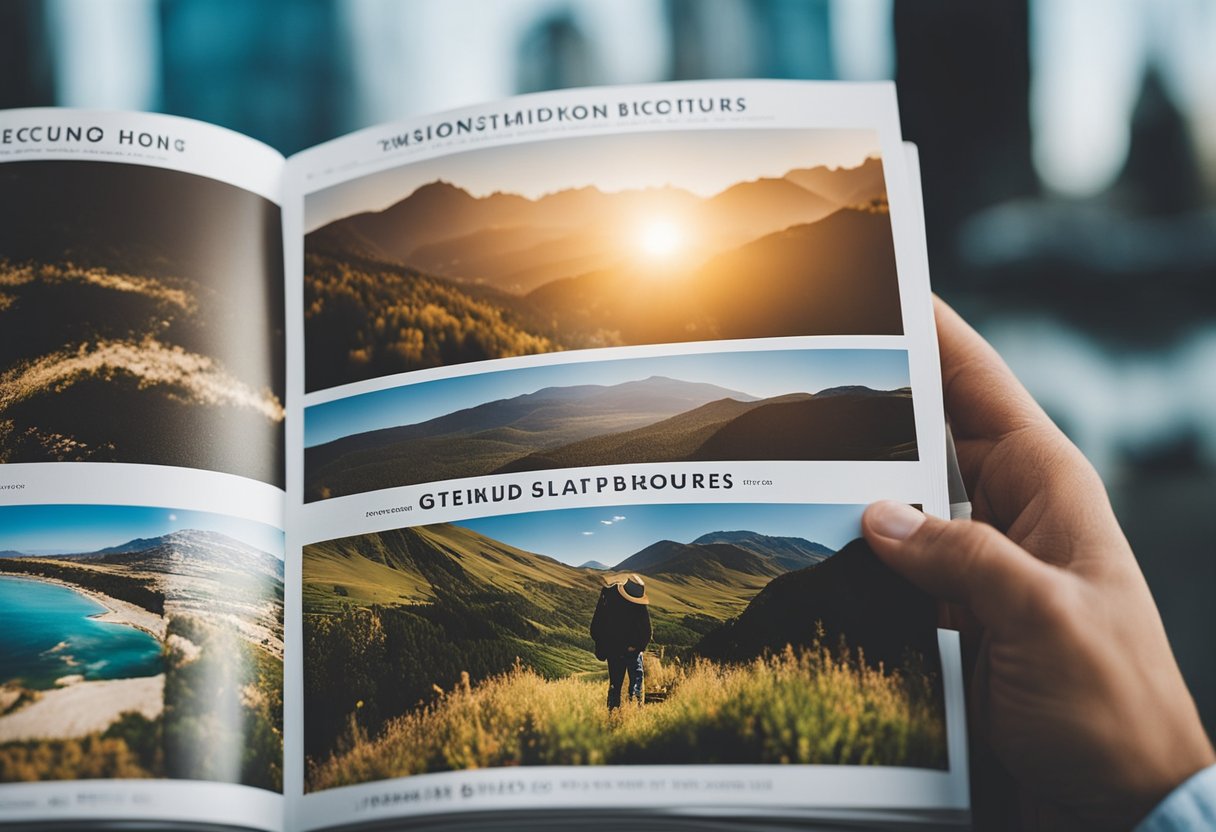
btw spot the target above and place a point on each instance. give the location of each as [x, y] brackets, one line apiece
[627, 664]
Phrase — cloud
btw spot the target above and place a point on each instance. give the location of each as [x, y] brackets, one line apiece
[588, 534]
[616, 518]
[605, 522]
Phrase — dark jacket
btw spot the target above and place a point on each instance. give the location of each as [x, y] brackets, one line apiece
[618, 625]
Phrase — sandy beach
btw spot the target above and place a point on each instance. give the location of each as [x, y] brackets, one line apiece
[121, 612]
[83, 707]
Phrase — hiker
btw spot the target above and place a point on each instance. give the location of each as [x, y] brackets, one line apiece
[621, 631]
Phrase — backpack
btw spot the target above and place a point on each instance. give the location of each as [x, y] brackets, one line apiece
[597, 621]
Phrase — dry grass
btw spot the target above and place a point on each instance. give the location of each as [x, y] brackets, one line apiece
[800, 706]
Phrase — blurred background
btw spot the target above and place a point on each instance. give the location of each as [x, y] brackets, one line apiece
[1068, 150]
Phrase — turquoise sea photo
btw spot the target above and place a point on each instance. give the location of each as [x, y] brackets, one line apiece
[53, 632]
[140, 642]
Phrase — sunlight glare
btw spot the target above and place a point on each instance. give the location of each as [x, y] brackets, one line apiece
[661, 239]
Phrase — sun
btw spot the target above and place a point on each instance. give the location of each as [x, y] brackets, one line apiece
[660, 238]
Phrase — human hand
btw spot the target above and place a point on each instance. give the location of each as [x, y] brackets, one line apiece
[1075, 689]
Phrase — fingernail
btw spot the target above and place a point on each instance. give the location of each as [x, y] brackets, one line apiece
[895, 521]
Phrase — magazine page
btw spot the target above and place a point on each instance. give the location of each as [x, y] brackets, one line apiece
[142, 405]
[591, 389]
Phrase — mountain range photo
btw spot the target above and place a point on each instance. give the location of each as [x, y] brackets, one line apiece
[445, 276]
[654, 420]
[740, 406]
[413, 635]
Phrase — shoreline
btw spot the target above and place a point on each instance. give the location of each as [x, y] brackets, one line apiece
[116, 611]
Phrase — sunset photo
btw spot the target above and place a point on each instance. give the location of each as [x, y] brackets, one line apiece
[143, 320]
[620, 635]
[747, 405]
[140, 642]
[627, 239]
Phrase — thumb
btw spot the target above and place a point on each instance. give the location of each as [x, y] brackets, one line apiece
[958, 560]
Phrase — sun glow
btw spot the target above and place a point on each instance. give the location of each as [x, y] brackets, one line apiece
[661, 239]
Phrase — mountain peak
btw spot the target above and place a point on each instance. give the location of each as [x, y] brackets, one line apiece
[843, 185]
[439, 186]
[208, 548]
[748, 552]
[663, 386]
[585, 190]
[181, 536]
[135, 544]
[433, 196]
[652, 556]
[788, 552]
[849, 390]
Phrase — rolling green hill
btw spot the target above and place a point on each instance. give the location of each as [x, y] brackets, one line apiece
[427, 563]
[432, 571]
[667, 440]
[434, 565]
[389, 615]
[392, 618]
[854, 423]
[720, 572]
[366, 318]
[844, 426]
[851, 595]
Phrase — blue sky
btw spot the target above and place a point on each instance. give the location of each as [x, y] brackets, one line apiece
[758, 373]
[611, 534]
[72, 529]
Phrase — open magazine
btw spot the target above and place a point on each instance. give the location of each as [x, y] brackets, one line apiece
[494, 466]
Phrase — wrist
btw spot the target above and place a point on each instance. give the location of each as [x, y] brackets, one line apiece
[1191, 805]
[1189, 756]
[1182, 749]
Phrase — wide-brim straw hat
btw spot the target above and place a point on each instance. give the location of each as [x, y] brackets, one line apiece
[633, 589]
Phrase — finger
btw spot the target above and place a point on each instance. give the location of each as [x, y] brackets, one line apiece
[960, 561]
[984, 399]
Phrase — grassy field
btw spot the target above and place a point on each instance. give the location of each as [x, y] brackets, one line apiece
[391, 614]
[437, 648]
[804, 706]
[131, 748]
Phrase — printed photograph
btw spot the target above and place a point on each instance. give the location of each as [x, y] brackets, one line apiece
[756, 405]
[140, 642]
[142, 312]
[642, 238]
[640, 634]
